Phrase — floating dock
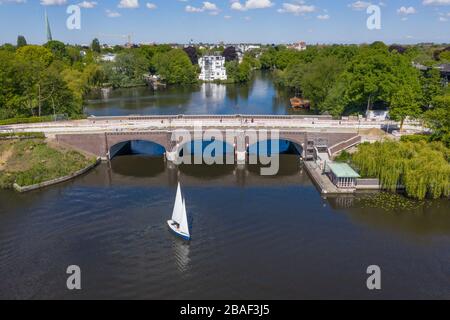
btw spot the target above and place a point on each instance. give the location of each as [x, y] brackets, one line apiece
[321, 180]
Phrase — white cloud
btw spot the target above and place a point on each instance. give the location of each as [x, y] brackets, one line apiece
[251, 4]
[297, 9]
[406, 11]
[193, 9]
[87, 4]
[128, 4]
[12, 1]
[209, 7]
[359, 5]
[436, 2]
[112, 14]
[323, 17]
[53, 2]
[151, 6]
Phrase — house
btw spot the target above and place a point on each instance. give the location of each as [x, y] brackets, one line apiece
[109, 57]
[380, 115]
[247, 47]
[212, 68]
[299, 46]
[342, 175]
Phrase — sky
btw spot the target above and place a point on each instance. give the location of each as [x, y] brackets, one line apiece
[229, 21]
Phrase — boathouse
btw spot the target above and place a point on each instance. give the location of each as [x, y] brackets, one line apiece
[342, 175]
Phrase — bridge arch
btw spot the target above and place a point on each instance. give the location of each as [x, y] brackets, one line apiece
[193, 146]
[285, 146]
[138, 146]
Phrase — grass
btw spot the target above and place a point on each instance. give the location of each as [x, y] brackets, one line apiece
[22, 135]
[18, 120]
[29, 162]
[21, 120]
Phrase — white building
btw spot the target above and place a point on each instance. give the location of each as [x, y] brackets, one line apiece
[109, 57]
[247, 47]
[299, 46]
[377, 115]
[212, 68]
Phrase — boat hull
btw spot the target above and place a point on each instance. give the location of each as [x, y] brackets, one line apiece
[175, 231]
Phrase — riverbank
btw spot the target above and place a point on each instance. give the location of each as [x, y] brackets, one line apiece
[116, 213]
[28, 162]
[421, 168]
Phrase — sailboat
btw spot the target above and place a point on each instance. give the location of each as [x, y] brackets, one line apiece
[179, 224]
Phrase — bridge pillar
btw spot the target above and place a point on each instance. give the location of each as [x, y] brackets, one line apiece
[241, 157]
[172, 156]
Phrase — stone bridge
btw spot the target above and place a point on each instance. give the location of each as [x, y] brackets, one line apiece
[105, 145]
[102, 136]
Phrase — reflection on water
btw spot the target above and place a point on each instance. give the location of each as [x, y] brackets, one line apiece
[402, 215]
[181, 254]
[143, 166]
[253, 237]
[259, 96]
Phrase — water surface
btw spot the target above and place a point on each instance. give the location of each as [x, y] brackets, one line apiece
[259, 96]
[252, 237]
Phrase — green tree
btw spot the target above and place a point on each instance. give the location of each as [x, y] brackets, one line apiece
[438, 119]
[56, 96]
[58, 49]
[319, 77]
[335, 102]
[95, 46]
[445, 56]
[8, 47]
[431, 86]
[422, 167]
[127, 70]
[369, 76]
[241, 72]
[32, 63]
[39, 56]
[21, 42]
[405, 102]
[10, 93]
[268, 59]
[175, 67]
[292, 76]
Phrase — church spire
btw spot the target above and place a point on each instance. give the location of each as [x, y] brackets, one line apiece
[47, 27]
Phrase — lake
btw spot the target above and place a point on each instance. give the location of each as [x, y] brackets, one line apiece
[259, 96]
[252, 237]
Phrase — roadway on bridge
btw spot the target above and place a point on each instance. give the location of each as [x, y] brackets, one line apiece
[161, 123]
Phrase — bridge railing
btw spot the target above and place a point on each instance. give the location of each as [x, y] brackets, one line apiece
[214, 117]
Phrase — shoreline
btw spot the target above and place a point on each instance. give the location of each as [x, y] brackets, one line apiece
[33, 163]
[48, 183]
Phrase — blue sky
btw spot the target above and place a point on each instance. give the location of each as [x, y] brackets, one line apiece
[262, 21]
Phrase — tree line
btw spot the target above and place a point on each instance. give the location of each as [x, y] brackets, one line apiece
[43, 80]
[55, 77]
[347, 80]
[338, 79]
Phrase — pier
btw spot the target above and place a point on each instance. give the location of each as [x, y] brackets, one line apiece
[321, 180]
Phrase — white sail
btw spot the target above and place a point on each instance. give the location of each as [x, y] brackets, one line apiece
[178, 207]
[184, 228]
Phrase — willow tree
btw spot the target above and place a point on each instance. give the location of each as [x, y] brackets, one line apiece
[421, 167]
